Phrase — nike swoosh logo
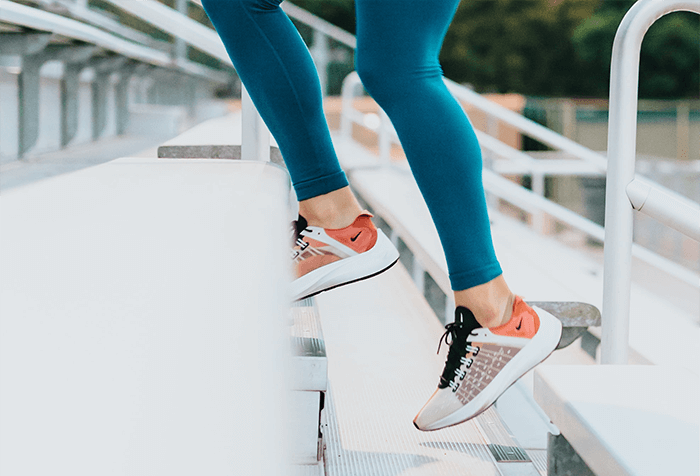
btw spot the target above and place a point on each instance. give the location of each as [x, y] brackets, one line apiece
[355, 237]
[519, 324]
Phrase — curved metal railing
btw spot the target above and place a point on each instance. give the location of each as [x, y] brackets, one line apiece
[625, 192]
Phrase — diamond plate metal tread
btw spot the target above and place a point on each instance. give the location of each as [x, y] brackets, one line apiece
[575, 317]
[307, 338]
[309, 364]
[539, 458]
[511, 459]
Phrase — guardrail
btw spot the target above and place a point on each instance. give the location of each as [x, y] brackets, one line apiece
[623, 189]
[102, 45]
[519, 162]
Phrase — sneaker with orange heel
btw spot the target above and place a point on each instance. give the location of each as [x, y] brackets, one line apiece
[483, 362]
[327, 258]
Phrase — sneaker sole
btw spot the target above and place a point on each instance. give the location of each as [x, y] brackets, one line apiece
[347, 271]
[548, 337]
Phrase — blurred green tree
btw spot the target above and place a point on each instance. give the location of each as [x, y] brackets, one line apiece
[669, 61]
[553, 47]
[516, 45]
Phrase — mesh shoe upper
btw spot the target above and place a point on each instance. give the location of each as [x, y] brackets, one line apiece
[482, 363]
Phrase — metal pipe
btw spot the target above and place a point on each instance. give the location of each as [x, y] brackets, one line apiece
[350, 82]
[255, 137]
[664, 208]
[622, 134]
[320, 51]
[384, 138]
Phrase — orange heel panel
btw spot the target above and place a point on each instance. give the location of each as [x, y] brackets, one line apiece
[524, 323]
[360, 236]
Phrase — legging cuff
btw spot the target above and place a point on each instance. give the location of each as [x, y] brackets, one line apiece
[320, 186]
[475, 277]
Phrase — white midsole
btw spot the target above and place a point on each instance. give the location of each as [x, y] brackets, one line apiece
[362, 265]
[541, 345]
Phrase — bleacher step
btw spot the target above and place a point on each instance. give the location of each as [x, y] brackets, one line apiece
[309, 382]
[631, 420]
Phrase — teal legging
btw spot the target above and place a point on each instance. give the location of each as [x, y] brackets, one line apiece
[398, 43]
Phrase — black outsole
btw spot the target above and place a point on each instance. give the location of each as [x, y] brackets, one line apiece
[348, 282]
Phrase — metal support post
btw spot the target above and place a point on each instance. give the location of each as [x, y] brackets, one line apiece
[255, 135]
[350, 82]
[449, 308]
[538, 187]
[622, 135]
[31, 48]
[683, 131]
[100, 87]
[320, 52]
[180, 47]
[492, 129]
[75, 60]
[418, 274]
[384, 138]
[121, 96]
[29, 88]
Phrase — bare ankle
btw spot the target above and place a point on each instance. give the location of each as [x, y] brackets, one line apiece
[491, 303]
[334, 210]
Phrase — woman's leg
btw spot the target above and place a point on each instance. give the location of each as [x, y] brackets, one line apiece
[398, 43]
[335, 242]
[278, 72]
[496, 337]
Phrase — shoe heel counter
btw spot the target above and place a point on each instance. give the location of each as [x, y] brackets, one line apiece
[524, 322]
[360, 236]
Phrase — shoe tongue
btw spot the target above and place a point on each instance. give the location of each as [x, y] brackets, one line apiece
[466, 318]
[300, 224]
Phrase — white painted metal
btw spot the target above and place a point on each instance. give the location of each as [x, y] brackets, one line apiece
[80, 10]
[418, 274]
[516, 161]
[34, 18]
[255, 143]
[11, 12]
[318, 24]
[533, 263]
[386, 130]
[622, 134]
[320, 51]
[176, 24]
[664, 208]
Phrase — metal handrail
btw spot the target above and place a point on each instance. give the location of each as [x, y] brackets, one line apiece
[622, 135]
[37, 19]
[14, 13]
[532, 202]
[175, 23]
[255, 136]
[319, 24]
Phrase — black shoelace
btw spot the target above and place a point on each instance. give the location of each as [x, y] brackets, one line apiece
[457, 337]
[297, 227]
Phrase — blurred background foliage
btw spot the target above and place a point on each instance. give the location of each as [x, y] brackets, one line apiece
[553, 47]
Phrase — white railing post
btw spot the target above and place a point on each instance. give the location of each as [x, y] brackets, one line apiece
[320, 52]
[538, 187]
[384, 133]
[622, 135]
[350, 82]
[255, 138]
